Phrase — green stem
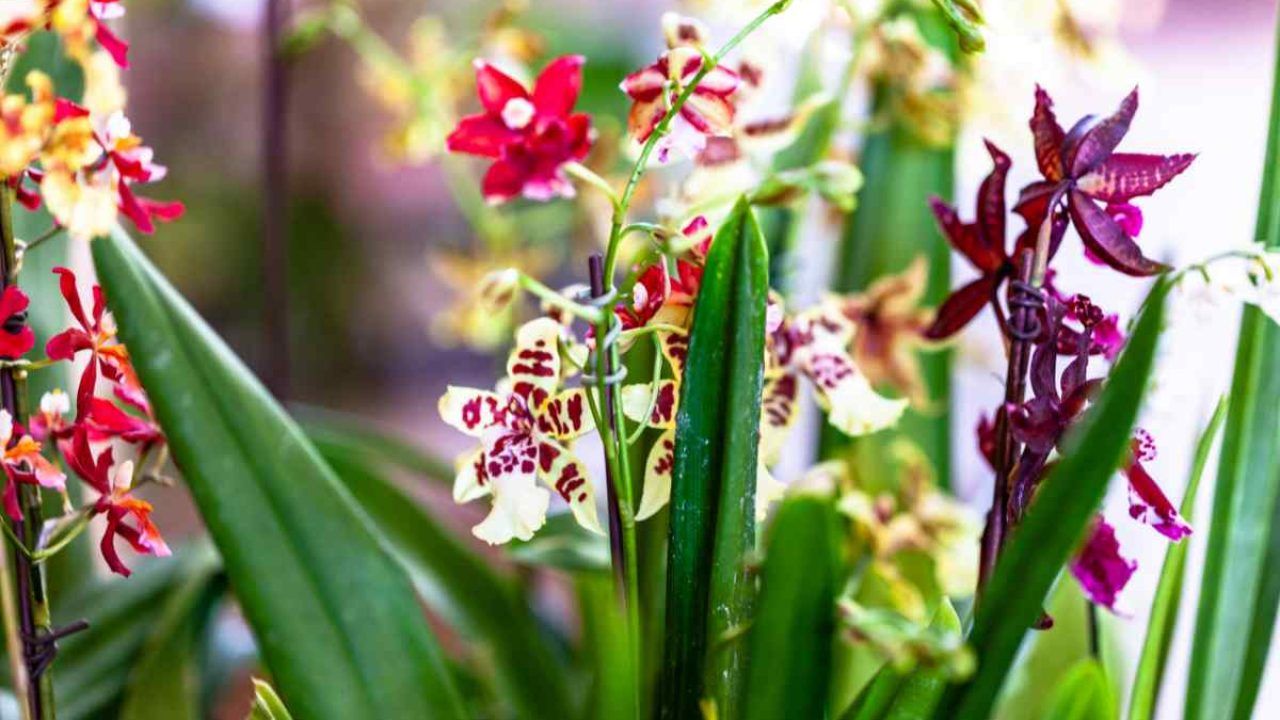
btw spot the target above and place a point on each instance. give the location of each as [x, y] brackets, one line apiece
[33, 603]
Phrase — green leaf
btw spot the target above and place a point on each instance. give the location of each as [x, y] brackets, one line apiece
[336, 618]
[712, 526]
[266, 704]
[339, 432]
[563, 544]
[1048, 655]
[1168, 599]
[891, 227]
[457, 583]
[605, 648]
[164, 683]
[1084, 694]
[1057, 519]
[1240, 588]
[791, 636]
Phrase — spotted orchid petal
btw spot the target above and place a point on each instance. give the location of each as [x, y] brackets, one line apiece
[1147, 502]
[534, 364]
[852, 405]
[653, 405]
[657, 475]
[519, 504]
[472, 479]
[778, 414]
[565, 473]
[471, 411]
[565, 416]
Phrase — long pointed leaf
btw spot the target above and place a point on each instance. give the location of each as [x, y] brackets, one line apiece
[1240, 588]
[1084, 694]
[461, 586]
[1168, 599]
[791, 636]
[1056, 521]
[713, 489]
[336, 618]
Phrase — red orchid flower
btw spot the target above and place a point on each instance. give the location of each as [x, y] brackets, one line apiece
[101, 10]
[117, 503]
[529, 135]
[1082, 169]
[96, 334]
[16, 338]
[983, 243]
[106, 420]
[20, 456]
[657, 288]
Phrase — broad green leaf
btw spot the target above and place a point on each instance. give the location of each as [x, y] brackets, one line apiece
[1084, 694]
[791, 634]
[457, 583]
[1240, 588]
[1168, 599]
[164, 683]
[1057, 519]
[335, 616]
[712, 509]
[267, 705]
[891, 226]
[563, 544]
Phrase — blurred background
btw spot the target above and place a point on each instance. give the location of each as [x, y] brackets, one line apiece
[380, 242]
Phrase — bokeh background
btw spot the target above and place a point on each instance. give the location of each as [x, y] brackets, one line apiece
[366, 231]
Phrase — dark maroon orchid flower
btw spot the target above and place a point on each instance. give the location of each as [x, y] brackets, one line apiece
[983, 244]
[529, 134]
[1081, 169]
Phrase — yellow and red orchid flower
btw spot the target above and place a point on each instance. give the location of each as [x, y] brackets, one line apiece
[23, 463]
[96, 334]
[114, 484]
[524, 429]
[815, 344]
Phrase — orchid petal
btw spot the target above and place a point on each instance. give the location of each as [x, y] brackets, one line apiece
[472, 479]
[566, 415]
[961, 307]
[780, 401]
[653, 406]
[1100, 568]
[657, 475]
[556, 90]
[852, 405]
[496, 88]
[1124, 176]
[471, 411]
[534, 363]
[1097, 144]
[481, 135]
[1048, 136]
[769, 490]
[1104, 237]
[564, 472]
[991, 209]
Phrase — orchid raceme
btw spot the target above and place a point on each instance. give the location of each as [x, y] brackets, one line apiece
[529, 134]
[523, 429]
[96, 335]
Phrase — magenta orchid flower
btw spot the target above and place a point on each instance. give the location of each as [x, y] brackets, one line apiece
[530, 135]
[1082, 169]
[1100, 568]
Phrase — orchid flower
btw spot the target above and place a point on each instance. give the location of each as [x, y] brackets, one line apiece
[530, 135]
[1081, 169]
[96, 334]
[709, 110]
[23, 463]
[116, 502]
[523, 430]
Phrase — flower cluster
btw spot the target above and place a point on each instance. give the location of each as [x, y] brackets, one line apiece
[82, 159]
[1088, 186]
[86, 442]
